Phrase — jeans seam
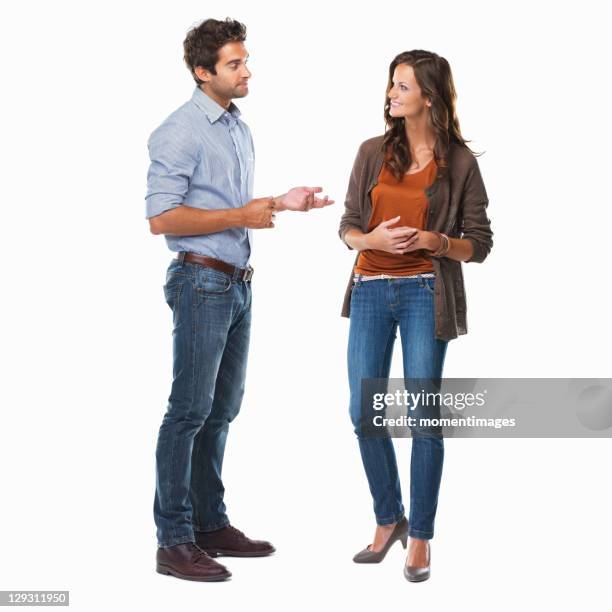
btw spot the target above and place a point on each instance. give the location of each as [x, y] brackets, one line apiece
[177, 296]
[388, 347]
[192, 354]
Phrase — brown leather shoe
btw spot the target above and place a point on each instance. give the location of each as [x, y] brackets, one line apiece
[189, 562]
[231, 542]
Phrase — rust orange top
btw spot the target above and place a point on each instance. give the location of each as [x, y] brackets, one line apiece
[407, 199]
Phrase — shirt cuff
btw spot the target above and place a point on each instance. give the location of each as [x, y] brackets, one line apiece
[161, 202]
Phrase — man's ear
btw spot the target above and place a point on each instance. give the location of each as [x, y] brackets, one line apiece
[202, 74]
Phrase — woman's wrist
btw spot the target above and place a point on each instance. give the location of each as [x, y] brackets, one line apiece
[443, 245]
[366, 241]
[357, 240]
[432, 241]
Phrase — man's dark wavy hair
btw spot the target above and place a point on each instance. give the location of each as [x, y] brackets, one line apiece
[202, 44]
[433, 74]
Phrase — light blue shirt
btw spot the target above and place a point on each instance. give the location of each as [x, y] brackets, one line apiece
[203, 156]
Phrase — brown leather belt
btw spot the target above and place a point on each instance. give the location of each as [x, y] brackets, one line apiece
[242, 274]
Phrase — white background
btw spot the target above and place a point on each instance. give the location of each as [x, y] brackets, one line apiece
[86, 334]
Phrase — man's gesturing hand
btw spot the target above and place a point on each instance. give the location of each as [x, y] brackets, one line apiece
[258, 213]
[302, 199]
[391, 240]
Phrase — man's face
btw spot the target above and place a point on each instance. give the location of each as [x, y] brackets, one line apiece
[231, 80]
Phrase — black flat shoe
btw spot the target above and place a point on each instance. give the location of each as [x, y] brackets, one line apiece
[400, 532]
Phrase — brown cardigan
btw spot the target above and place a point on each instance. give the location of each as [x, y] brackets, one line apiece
[457, 207]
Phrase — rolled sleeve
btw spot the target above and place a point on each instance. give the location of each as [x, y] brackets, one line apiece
[174, 156]
[475, 224]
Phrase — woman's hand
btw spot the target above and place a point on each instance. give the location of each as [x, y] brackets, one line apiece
[423, 240]
[394, 240]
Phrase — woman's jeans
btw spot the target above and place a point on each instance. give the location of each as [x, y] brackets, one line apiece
[212, 319]
[378, 307]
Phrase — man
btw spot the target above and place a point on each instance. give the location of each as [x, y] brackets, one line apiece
[200, 197]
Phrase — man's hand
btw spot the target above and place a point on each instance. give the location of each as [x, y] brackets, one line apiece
[392, 240]
[301, 199]
[258, 213]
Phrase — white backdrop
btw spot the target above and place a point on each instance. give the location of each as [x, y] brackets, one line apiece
[86, 334]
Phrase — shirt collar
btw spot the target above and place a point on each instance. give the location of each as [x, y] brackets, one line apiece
[212, 110]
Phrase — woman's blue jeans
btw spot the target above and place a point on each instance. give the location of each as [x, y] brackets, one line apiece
[378, 308]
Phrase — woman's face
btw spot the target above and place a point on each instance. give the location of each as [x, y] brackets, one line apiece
[406, 99]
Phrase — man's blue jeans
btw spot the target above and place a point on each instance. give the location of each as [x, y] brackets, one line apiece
[212, 319]
[378, 308]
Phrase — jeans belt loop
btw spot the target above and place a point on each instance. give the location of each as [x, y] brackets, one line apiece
[181, 257]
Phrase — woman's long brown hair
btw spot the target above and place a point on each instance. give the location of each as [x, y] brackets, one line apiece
[433, 74]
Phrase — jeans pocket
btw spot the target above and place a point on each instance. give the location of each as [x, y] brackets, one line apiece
[429, 284]
[212, 282]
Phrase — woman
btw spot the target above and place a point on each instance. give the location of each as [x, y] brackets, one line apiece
[415, 209]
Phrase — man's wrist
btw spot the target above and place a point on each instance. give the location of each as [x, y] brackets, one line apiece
[278, 203]
[238, 217]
